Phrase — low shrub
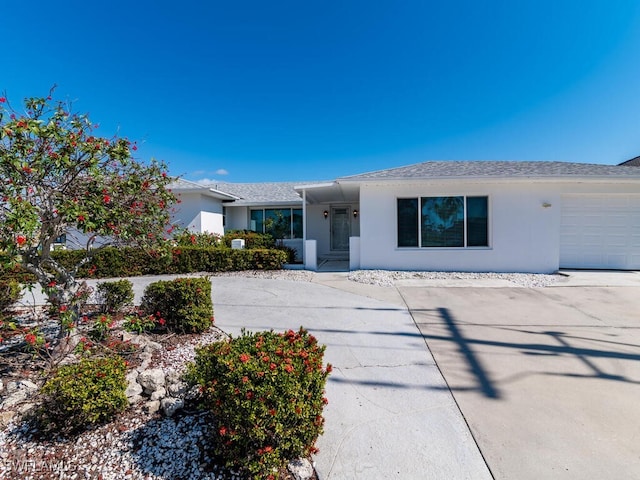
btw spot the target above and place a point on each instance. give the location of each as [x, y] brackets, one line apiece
[251, 239]
[198, 239]
[100, 328]
[291, 253]
[184, 304]
[82, 394]
[265, 391]
[138, 323]
[114, 296]
[9, 294]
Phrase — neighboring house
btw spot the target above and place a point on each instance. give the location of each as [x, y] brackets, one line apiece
[451, 216]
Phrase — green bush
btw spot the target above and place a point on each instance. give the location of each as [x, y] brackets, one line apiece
[198, 239]
[291, 253]
[265, 391]
[9, 294]
[82, 394]
[128, 261]
[114, 296]
[184, 304]
[251, 239]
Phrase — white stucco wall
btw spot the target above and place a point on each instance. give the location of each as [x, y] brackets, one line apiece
[199, 213]
[237, 218]
[523, 235]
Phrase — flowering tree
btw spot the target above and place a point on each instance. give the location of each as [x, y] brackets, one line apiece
[59, 178]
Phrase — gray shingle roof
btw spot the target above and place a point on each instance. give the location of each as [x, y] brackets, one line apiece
[634, 162]
[185, 186]
[497, 169]
[261, 193]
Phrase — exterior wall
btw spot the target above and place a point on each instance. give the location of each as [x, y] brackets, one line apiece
[199, 214]
[237, 218]
[523, 235]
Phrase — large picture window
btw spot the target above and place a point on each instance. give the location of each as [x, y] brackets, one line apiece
[443, 222]
[279, 222]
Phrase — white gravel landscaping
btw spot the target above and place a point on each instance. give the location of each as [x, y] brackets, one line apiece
[388, 278]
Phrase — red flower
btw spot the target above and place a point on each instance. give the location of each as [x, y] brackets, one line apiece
[20, 240]
[245, 379]
[52, 283]
[244, 358]
[106, 198]
[3, 99]
[162, 321]
[26, 169]
[63, 308]
[223, 431]
[267, 449]
[329, 368]
[81, 218]
[288, 368]
[273, 366]
[30, 338]
[134, 148]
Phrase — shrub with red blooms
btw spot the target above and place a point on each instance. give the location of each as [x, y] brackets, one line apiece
[266, 393]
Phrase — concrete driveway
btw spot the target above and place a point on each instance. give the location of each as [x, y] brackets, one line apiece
[548, 379]
[390, 413]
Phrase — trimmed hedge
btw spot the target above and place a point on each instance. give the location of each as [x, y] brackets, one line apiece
[127, 261]
[114, 296]
[182, 305]
[251, 239]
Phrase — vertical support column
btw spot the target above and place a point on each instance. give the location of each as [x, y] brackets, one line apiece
[310, 255]
[354, 253]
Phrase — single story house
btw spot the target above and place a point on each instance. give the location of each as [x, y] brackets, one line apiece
[500, 216]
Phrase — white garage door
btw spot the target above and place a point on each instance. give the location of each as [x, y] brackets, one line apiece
[600, 231]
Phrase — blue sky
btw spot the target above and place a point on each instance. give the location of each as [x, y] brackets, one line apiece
[250, 91]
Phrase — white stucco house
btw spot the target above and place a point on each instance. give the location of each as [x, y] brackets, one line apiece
[443, 216]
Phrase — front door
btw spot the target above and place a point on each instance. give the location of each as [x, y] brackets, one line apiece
[340, 228]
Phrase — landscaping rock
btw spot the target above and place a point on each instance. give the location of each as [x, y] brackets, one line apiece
[301, 469]
[178, 389]
[134, 389]
[171, 405]
[6, 417]
[159, 394]
[18, 392]
[152, 406]
[151, 380]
